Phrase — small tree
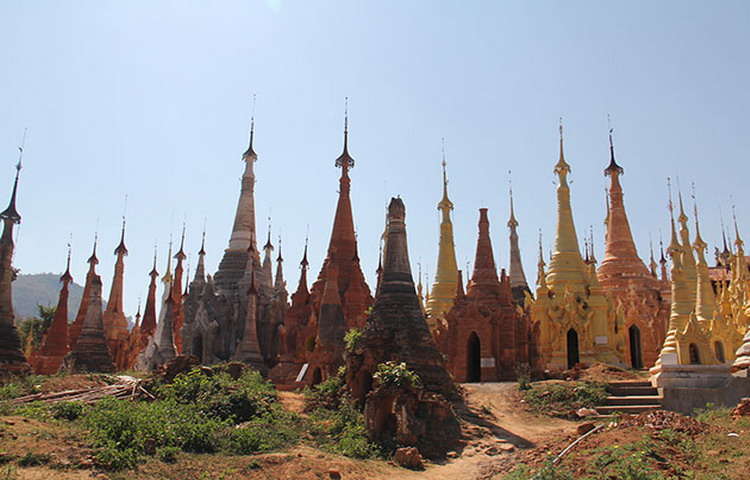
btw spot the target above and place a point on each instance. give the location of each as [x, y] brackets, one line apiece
[36, 326]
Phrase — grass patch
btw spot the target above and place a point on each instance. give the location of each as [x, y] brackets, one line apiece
[563, 399]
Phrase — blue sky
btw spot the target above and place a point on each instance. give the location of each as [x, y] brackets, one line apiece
[152, 100]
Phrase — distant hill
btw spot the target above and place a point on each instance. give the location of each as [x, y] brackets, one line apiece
[42, 289]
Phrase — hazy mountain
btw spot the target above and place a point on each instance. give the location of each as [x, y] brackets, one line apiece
[42, 289]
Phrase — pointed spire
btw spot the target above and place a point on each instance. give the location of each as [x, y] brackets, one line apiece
[250, 153]
[11, 213]
[485, 272]
[93, 260]
[345, 161]
[268, 245]
[279, 280]
[67, 277]
[698, 243]
[167, 278]
[180, 255]
[153, 273]
[445, 205]
[652, 262]
[541, 278]
[202, 251]
[674, 244]
[738, 241]
[517, 275]
[121, 248]
[512, 222]
[304, 263]
[562, 169]
[613, 168]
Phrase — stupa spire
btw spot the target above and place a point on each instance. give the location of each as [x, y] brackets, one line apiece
[444, 287]
[566, 264]
[620, 254]
[148, 325]
[304, 265]
[485, 271]
[279, 283]
[517, 275]
[115, 323]
[200, 270]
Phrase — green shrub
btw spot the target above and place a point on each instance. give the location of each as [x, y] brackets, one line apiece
[396, 374]
[343, 431]
[141, 428]
[259, 435]
[167, 454]
[220, 396]
[563, 399]
[523, 376]
[66, 410]
[111, 457]
[326, 394]
[34, 459]
[352, 338]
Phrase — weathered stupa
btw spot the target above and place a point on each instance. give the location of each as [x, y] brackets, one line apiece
[115, 323]
[12, 360]
[315, 324]
[396, 331]
[54, 346]
[485, 337]
[91, 352]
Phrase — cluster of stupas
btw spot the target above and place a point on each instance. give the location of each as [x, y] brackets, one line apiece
[621, 311]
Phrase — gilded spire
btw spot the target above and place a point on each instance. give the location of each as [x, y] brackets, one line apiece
[674, 244]
[541, 278]
[566, 265]
[562, 169]
[444, 287]
[737, 240]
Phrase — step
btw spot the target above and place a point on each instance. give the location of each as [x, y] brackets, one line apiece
[632, 391]
[634, 400]
[630, 383]
[626, 409]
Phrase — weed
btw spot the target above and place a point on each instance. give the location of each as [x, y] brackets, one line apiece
[352, 339]
[343, 431]
[563, 399]
[167, 454]
[34, 459]
[67, 410]
[326, 394]
[396, 374]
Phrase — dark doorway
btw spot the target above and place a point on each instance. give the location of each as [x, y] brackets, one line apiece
[719, 349]
[636, 358]
[317, 376]
[473, 359]
[695, 354]
[198, 348]
[573, 356]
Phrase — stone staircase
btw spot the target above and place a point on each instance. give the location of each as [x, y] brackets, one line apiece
[630, 397]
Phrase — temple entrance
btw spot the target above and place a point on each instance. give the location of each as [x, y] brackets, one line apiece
[695, 354]
[198, 348]
[719, 349]
[573, 356]
[317, 376]
[636, 358]
[473, 359]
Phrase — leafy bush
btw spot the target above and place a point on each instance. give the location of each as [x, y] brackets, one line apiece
[343, 431]
[396, 374]
[326, 394]
[352, 338]
[563, 399]
[20, 386]
[261, 435]
[139, 428]
[167, 454]
[220, 396]
[111, 457]
[547, 472]
[66, 410]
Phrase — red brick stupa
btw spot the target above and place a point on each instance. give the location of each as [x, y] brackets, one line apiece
[54, 346]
